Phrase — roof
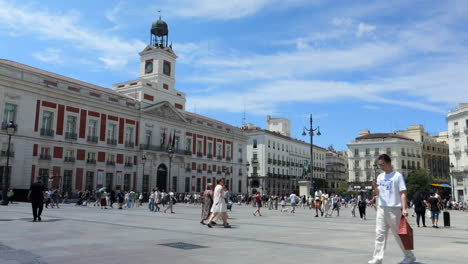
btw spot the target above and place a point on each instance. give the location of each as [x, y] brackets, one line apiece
[279, 135]
[59, 77]
[383, 135]
[209, 119]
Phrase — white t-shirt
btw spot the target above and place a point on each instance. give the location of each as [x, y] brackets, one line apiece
[390, 186]
[292, 198]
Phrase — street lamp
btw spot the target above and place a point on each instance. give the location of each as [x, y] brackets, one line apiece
[311, 131]
[11, 128]
[170, 153]
[451, 175]
[143, 160]
[376, 167]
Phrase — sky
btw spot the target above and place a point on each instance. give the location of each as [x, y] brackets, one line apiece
[377, 65]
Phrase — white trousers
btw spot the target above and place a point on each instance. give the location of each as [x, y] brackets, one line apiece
[387, 218]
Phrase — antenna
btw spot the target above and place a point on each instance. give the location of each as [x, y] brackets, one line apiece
[243, 118]
[159, 11]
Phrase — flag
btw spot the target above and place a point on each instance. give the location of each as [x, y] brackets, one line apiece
[169, 142]
[163, 137]
[173, 140]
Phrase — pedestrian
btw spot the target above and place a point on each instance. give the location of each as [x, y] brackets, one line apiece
[325, 203]
[435, 209]
[219, 208]
[10, 195]
[362, 205]
[207, 203]
[293, 199]
[120, 199]
[270, 202]
[420, 208]
[391, 190]
[318, 203]
[335, 205]
[140, 199]
[104, 200]
[36, 197]
[55, 198]
[48, 199]
[170, 201]
[304, 201]
[283, 204]
[151, 201]
[258, 204]
[157, 200]
[112, 198]
[65, 198]
[352, 202]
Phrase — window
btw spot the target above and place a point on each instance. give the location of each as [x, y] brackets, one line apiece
[89, 180]
[367, 151]
[174, 183]
[92, 128]
[377, 151]
[219, 151]
[198, 185]
[356, 152]
[199, 147]
[9, 113]
[368, 162]
[47, 120]
[148, 137]
[187, 184]
[69, 154]
[274, 143]
[210, 148]
[128, 160]
[67, 181]
[356, 164]
[111, 157]
[255, 144]
[129, 134]
[109, 180]
[268, 143]
[71, 124]
[118, 178]
[228, 151]
[92, 156]
[188, 144]
[127, 182]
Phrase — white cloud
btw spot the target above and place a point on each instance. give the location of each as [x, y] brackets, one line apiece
[371, 107]
[364, 29]
[342, 21]
[50, 55]
[66, 27]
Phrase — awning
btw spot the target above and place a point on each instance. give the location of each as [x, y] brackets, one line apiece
[442, 185]
[438, 185]
[446, 185]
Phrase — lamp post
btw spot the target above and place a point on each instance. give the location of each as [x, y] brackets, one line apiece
[451, 176]
[311, 131]
[11, 128]
[143, 161]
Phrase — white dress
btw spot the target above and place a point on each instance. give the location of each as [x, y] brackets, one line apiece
[219, 204]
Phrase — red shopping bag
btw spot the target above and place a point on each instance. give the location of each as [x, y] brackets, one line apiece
[406, 234]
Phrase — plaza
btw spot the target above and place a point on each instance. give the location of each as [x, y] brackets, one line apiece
[75, 234]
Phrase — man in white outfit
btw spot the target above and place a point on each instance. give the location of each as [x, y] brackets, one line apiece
[391, 189]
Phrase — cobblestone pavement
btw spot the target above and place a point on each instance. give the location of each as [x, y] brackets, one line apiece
[92, 235]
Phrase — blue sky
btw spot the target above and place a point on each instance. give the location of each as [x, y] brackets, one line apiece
[378, 65]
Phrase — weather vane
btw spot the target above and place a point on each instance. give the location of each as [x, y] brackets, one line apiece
[159, 11]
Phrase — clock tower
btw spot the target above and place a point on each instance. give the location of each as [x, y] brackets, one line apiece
[157, 71]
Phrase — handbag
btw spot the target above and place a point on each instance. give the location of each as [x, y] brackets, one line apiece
[406, 234]
[428, 214]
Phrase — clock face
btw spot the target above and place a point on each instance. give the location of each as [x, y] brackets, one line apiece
[167, 68]
[149, 67]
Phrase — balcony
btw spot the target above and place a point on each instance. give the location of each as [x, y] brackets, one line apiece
[287, 164]
[274, 162]
[228, 158]
[240, 160]
[269, 161]
[45, 157]
[455, 132]
[209, 156]
[228, 173]
[47, 132]
[129, 144]
[240, 173]
[4, 153]
[91, 161]
[255, 160]
[218, 172]
[128, 164]
[199, 154]
[164, 149]
[92, 139]
[403, 166]
[70, 136]
[199, 170]
[368, 154]
[465, 130]
[403, 154]
[69, 159]
[457, 151]
[110, 163]
[4, 126]
[210, 171]
[466, 149]
[254, 175]
[112, 141]
[219, 157]
[188, 169]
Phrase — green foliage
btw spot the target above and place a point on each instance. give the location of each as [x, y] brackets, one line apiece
[418, 180]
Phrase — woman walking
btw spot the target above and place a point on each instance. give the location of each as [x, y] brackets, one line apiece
[258, 204]
[219, 207]
[362, 205]
[157, 200]
[420, 208]
[207, 203]
[151, 201]
[352, 202]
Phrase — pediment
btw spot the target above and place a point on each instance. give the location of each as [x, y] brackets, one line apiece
[165, 110]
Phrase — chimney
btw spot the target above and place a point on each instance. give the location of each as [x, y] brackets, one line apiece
[364, 132]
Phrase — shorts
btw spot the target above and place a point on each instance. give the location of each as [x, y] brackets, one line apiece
[434, 215]
[335, 206]
[293, 204]
[258, 205]
[318, 203]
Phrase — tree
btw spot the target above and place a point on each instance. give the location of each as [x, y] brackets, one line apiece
[418, 180]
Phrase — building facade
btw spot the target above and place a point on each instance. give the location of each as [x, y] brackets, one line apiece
[277, 161]
[435, 152]
[364, 150]
[136, 136]
[457, 121]
[336, 163]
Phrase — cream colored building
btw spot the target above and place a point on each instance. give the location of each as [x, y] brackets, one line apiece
[336, 169]
[457, 121]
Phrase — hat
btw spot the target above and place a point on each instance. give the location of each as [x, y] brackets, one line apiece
[38, 177]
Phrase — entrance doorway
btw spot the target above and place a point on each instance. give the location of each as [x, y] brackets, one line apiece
[161, 178]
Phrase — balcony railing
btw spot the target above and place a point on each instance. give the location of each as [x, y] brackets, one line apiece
[91, 161]
[209, 171]
[111, 141]
[240, 173]
[240, 160]
[218, 172]
[274, 162]
[199, 154]
[4, 153]
[47, 132]
[456, 132]
[45, 157]
[403, 166]
[188, 169]
[269, 161]
[199, 170]
[4, 126]
[69, 159]
[92, 139]
[254, 175]
[228, 158]
[403, 154]
[465, 130]
[129, 144]
[128, 164]
[210, 156]
[457, 151]
[110, 163]
[466, 149]
[70, 135]
[219, 157]
[164, 149]
[254, 160]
